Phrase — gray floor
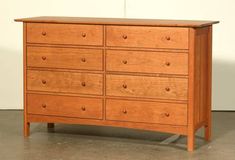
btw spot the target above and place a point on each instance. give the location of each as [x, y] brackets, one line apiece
[76, 142]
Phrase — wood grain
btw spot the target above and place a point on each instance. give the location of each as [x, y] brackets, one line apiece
[146, 112]
[66, 58]
[133, 73]
[147, 62]
[26, 121]
[65, 34]
[191, 90]
[67, 82]
[143, 126]
[65, 106]
[151, 87]
[118, 21]
[147, 37]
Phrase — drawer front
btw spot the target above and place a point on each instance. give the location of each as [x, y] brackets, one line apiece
[65, 82]
[147, 62]
[68, 58]
[151, 37]
[147, 87]
[73, 34]
[65, 106]
[146, 112]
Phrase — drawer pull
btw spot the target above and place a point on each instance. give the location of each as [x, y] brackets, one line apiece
[167, 114]
[124, 61]
[84, 35]
[83, 108]
[44, 33]
[44, 81]
[44, 58]
[124, 111]
[124, 36]
[124, 86]
[167, 89]
[83, 84]
[83, 59]
[168, 63]
[44, 105]
[168, 38]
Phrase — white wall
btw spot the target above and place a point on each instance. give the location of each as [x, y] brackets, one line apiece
[11, 36]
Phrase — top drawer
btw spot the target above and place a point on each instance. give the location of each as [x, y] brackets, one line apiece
[147, 37]
[65, 34]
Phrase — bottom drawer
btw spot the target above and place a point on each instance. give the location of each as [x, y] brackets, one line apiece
[147, 112]
[68, 106]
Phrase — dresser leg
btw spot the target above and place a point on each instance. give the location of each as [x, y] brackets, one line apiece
[208, 132]
[191, 139]
[26, 129]
[50, 125]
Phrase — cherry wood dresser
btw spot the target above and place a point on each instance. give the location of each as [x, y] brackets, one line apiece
[134, 73]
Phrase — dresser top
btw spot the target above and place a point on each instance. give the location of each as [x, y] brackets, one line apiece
[118, 21]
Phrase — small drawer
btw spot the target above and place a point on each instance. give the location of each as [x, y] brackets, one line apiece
[147, 37]
[147, 87]
[73, 34]
[67, 58]
[147, 62]
[65, 82]
[146, 112]
[67, 106]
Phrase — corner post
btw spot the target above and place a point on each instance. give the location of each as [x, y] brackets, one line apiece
[26, 122]
[191, 90]
[209, 83]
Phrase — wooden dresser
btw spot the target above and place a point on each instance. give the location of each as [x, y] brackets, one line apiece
[134, 73]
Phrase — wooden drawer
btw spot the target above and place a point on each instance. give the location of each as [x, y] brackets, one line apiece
[147, 87]
[151, 37]
[66, 82]
[147, 62]
[73, 34]
[65, 106]
[68, 58]
[147, 112]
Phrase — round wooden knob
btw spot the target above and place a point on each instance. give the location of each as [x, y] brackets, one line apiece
[124, 111]
[124, 86]
[124, 61]
[83, 34]
[167, 114]
[168, 38]
[44, 81]
[44, 33]
[83, 108]
[168, 63]
[83, 59]
[44, 58]
[44, 105]
[124, 36]
[167, 89]
[83, 84]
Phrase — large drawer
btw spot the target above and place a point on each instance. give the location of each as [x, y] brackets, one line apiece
[147, 62]
[146, 112]
[65, 82]
[147, 37]
[65, 106]
[73, 34]
[147, 87]
[68, 58]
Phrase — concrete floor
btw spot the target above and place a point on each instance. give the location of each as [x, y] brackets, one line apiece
[76, 142]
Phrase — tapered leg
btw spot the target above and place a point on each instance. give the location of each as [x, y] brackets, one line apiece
[26, 129]
[50, 125]
[191, 139]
